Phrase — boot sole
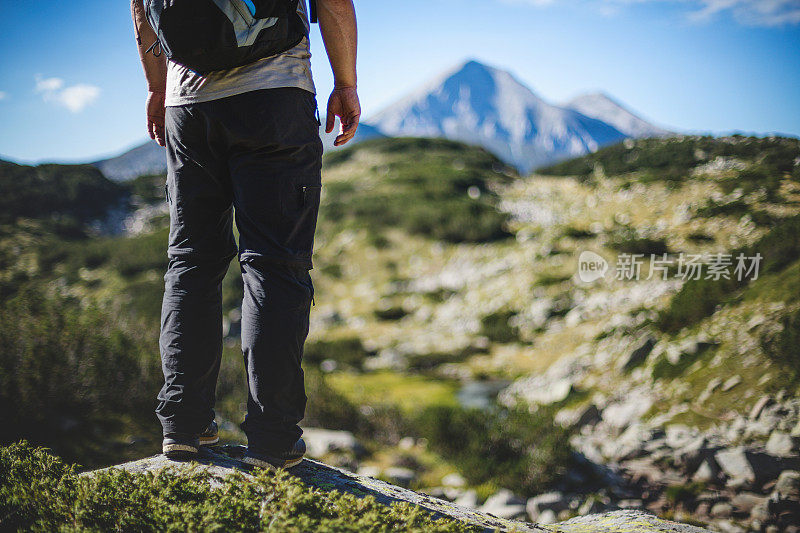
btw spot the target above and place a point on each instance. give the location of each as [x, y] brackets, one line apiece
[209, 441]
[180, 451]
[252, 461]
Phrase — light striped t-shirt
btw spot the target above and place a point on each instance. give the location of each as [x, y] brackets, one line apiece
[288, 69]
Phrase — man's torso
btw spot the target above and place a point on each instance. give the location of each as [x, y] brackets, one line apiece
[288, 69]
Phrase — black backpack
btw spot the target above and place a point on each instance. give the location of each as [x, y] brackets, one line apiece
[209, 35]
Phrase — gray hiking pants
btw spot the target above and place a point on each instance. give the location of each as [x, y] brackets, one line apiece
[260, 153]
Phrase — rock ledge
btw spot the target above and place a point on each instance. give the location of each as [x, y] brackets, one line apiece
[223, 460]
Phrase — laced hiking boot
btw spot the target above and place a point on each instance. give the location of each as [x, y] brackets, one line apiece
[210, 435]
[287, 459]
[180, 446]
[184, 446]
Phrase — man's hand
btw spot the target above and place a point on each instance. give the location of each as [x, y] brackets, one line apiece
[155, 116]
[344, 104]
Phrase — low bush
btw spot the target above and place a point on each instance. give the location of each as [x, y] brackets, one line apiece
[347, 351]
[68, 372]
[513, 448]
[38, 492]
[783, 347]
[699, 298]
[497, 328]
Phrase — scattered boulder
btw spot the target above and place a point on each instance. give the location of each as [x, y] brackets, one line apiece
[454, 480]
[387, 359]
[547, 517]
[735, 463]
[759, 406]
[551, 392]
[707, 472]
[400, 476]
[731, 382]
[587, 415]
[504, 504]
[549, 501]
[781, 444]
[624, 412]
[322, 441]
[638, 355]
[788, 484]
[468, 499]
[721, 510]
[745, 502]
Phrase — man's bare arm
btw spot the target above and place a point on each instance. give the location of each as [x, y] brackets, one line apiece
[337, 22]
[155, 72]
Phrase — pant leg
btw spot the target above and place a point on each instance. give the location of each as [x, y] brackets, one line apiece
[275, 317]
[201, 246]
[275, 158]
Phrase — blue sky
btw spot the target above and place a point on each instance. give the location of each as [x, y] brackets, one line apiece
[71, 88]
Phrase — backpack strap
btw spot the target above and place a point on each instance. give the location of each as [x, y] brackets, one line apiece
[313, 11]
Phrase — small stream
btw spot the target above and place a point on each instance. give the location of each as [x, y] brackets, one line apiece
[480, 394]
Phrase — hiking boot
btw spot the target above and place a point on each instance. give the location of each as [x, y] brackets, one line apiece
[180, 446]
[210, 435]
[287, 459]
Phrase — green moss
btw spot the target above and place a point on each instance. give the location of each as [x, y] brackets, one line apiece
[683, 493]
[497, 328]
[38, 492]
[664, 369]
[409, 392]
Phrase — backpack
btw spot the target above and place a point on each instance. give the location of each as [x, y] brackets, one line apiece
[209, 35]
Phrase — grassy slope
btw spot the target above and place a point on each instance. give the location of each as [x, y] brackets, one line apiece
[447, 284]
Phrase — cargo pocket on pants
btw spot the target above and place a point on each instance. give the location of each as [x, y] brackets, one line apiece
[303, 220]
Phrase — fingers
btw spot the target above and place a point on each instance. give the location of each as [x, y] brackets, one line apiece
[348, 131]
[330, 119]
[156, 131]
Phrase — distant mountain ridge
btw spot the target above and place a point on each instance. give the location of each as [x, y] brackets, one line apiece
[485, 106]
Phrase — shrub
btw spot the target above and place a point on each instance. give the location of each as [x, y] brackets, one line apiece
[698, 299]
[422, 188]
[497, 328]
[513, 448]
[79, 192]
[38, 492]
[784, 346]
[347, 351]
[64, 369]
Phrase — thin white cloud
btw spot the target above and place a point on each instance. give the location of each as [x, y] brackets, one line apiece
[74, 97]
[752, 12]
[769, 13]
[3, 95]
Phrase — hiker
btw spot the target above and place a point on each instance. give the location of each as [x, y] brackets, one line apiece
[231, 97]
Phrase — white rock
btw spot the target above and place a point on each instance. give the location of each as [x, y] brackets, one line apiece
[781, 444]
[401, 476]
[549, 501]
[731, 383]
[454, 480]
[735, 464]
[322, 441]
[468, 499]
[547, 517]
[504, 504]
[369, 471]
[406, 443]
